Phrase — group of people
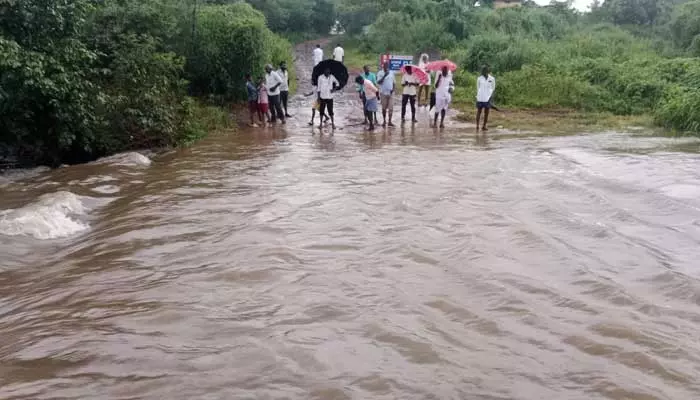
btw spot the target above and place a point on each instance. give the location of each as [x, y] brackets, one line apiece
[381, 88]
[268, 96]
[338, 54]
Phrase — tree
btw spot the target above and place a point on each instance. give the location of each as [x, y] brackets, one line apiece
[685, 24]
[633, 12]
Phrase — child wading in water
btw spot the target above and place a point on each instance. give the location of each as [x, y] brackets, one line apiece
[316, 106]
[263, 102]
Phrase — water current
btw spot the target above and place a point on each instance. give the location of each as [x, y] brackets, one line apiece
[283, 263]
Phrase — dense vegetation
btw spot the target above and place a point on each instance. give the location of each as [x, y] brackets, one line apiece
[624, 57]
[84, 78]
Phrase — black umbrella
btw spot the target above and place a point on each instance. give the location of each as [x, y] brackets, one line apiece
[337, 69]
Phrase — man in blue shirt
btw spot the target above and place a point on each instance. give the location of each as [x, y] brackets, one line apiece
[252, 99]
[386, 81]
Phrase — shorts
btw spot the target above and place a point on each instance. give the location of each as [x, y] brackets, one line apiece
[253, 106]
[263, 107]
[387, 102]
[483, 104]
[371, 105]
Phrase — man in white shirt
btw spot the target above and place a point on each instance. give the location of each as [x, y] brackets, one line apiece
[485, 87]
[327, 84]
[284, 87]
[273, 82]
[339, 54]
[318, 55]
[410, 89]
[444, 86]
[387, 81]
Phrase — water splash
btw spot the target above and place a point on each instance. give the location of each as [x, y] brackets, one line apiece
[52, 216]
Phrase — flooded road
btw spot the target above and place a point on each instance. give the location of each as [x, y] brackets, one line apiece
[284, 263]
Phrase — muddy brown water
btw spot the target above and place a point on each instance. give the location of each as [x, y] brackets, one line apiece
[283, 263]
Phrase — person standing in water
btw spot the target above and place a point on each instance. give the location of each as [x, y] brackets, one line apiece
[370, 106]
[327, 84]
[485, 88]
[263, 102]
[424, 89]
[318, 55]
[409, 83]
[284, 88]
[387, 82]
[368, 75]
[252, 99]
[443, 95]
[273, 82]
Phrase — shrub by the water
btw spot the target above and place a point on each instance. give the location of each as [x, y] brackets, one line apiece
[81, 79]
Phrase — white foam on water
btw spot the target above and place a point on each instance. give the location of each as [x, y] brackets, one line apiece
[52, 216]
[127, 159]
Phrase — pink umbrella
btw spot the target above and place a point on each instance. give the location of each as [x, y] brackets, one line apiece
[438, 65]
[419, 73]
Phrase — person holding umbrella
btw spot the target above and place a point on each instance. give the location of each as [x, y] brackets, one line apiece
[327, 84]
[485, 87]
[386, 81]
[443, 95]
[273, 81]
[410, 84]
[424, 88]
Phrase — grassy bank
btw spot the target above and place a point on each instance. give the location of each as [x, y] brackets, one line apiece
[538, 113]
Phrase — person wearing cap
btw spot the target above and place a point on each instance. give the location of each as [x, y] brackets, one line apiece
[273, 82]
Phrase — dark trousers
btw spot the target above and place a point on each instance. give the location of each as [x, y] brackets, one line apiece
[284, 98]
[326, 103]
[408, 99]
[276, 108]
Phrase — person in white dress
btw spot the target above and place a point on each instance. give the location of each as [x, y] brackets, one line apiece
[424, 89]
[318, 55]
[444, 87]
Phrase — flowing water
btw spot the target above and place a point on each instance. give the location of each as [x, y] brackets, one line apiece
[283, 263]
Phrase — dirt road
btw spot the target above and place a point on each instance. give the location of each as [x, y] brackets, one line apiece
[348, 107]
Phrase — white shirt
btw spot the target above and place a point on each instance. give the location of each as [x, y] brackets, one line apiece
[443, 89]
[318, 55]
[284, 87]
[325, 86]
[271, 80]
[485, 88]
[409, 90]
[338, 54]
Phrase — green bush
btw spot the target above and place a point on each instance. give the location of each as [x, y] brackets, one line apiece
[81, 79]
[680, 109]
[231, 41]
